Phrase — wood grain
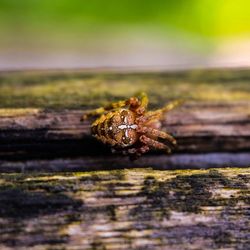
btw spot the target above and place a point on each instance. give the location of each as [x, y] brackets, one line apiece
[198, 128]
[126, 209]
[54, 196]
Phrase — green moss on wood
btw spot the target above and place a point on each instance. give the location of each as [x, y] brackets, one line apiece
[79, 89]
[9, 112]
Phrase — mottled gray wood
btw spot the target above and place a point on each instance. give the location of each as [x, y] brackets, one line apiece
[126, 209]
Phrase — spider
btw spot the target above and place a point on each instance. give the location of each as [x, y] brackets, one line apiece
[129, 128]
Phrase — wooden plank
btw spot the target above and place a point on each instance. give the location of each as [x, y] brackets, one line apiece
[198, 128]
[41, 132]
[126, 209]
[40, 113]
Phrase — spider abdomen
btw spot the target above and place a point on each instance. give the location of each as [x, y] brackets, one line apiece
[116, 128]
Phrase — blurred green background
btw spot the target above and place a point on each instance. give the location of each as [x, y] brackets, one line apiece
[126, 33]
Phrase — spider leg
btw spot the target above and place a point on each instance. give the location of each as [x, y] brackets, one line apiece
[140, 150]
[170, 106]
[101, 119]
[94, 112]
[153, 116]
[101, 110]
[154, 144]
[136, 152]
[133, 153]
[132, 102]
[149, 117]
[157, 133]
[141, 106]
[106, 140]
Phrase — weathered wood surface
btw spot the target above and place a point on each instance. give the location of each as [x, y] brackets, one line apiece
[126, 209]
[144, 208]
[198, 128]
[40, 118]
[225, 126]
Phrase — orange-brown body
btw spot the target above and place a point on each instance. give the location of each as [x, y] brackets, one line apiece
[117, 127]
[128, 127]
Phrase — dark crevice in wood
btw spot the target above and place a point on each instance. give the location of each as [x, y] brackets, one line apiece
[110, 162]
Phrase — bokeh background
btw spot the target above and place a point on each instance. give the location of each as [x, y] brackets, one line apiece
[158, 34]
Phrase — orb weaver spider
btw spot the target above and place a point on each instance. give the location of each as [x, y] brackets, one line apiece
[129, 128]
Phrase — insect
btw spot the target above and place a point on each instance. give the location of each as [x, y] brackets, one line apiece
[129, 128]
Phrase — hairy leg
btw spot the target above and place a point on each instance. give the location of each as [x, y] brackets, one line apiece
[134, 104]
[101, 110]
[149, 117]
[153, 117]
[106, 140]
[171, 106]
[156, 133]
[102, 119]
[154, 144]
[140, 150]
[135, 153]
[142, 105]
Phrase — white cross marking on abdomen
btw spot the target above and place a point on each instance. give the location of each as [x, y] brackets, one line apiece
[126, 126]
